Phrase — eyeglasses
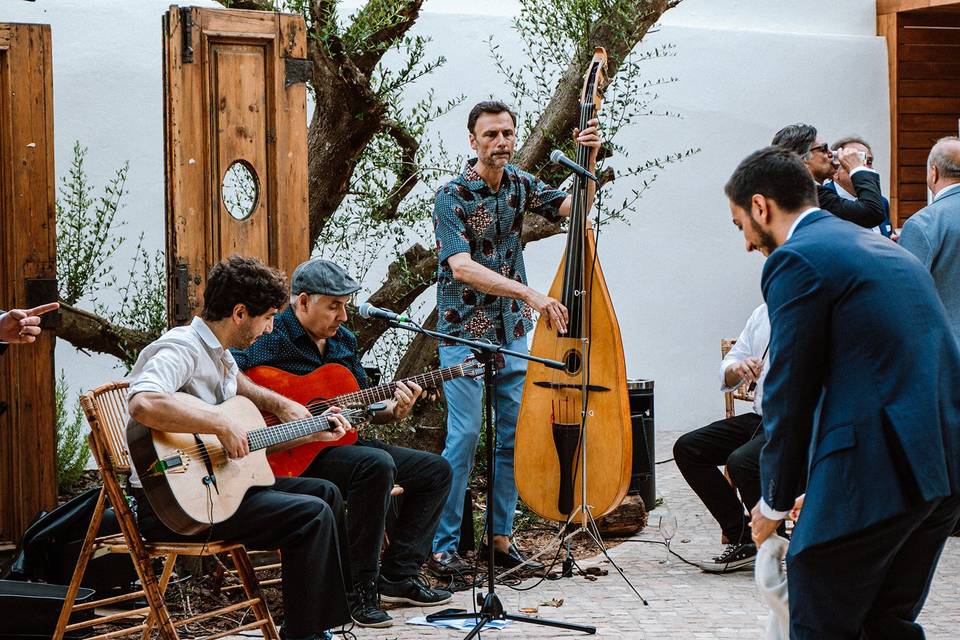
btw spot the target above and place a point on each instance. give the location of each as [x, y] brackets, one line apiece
[822, 148]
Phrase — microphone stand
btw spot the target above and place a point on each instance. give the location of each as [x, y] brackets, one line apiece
[491, 608]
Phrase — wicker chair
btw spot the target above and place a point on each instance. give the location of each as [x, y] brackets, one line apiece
[106, 412]
[741, 392]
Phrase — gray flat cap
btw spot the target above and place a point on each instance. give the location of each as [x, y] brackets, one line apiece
[323, 277]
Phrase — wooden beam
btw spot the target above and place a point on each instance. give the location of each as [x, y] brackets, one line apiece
[887, 28]
[899, 6]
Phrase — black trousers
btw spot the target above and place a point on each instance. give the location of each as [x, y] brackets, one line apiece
[365, 473]
[303, 517]
[871, 584]
[736, 443]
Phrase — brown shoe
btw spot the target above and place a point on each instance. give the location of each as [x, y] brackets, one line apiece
[449, 564]
[510, 559]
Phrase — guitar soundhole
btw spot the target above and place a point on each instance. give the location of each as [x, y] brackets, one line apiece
[572, 362]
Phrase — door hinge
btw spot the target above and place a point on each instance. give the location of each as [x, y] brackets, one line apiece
[181, 287]
[42, 291]
[297, 70]
[186, 30]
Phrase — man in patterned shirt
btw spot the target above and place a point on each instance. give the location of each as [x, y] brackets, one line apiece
[482, 294]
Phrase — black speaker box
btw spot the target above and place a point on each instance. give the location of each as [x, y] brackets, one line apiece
[29, 610]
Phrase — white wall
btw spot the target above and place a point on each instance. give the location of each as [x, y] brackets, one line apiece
[679, 276]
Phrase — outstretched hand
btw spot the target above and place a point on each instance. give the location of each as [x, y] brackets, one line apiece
[23, 325]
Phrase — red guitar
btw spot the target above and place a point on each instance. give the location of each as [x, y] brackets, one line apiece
[334, 385]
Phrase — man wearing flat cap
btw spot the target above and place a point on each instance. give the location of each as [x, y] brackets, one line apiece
[308, 334]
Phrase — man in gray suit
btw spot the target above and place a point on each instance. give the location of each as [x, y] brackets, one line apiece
[933, 233]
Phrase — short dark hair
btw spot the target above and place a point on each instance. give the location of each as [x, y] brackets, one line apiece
[239, 280]
[844, 141]
[776, 173]
[797, 138]
[488, 106]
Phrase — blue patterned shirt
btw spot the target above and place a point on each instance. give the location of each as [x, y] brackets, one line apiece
[469, 217]
[290, 348]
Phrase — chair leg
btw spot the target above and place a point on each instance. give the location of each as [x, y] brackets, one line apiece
[151, 586]
[86, 552]
[248, 578]
[168, 566]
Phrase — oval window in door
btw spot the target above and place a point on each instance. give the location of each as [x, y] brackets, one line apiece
[240, 190]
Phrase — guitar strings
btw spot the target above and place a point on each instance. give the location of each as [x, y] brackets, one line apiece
[260, 435]
[369, 396]
[260, 438]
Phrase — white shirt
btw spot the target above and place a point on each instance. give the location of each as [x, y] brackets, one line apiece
[189, 359]
[945, 191]
[752, 342]
[800, 217]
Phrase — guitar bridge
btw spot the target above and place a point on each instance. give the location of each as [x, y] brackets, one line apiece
[176, 463]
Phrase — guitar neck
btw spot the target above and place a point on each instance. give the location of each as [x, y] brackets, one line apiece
[429, 380]
[265, 437]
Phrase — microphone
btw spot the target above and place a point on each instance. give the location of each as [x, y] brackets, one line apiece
[367, 310]
[557, 157]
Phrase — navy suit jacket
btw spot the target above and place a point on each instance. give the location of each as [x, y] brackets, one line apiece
[831, 186]
[862, 398]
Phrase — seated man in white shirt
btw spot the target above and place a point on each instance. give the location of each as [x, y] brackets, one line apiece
[303, 517]
[734, 442]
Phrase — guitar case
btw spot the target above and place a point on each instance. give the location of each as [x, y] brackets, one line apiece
[51, 545]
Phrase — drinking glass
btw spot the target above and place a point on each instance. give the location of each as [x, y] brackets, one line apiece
[667, 525]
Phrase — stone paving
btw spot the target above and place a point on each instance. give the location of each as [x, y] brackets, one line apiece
[684, 603]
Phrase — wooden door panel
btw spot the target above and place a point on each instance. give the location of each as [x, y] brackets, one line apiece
[28, 475]
[241, 120]
[227, 101]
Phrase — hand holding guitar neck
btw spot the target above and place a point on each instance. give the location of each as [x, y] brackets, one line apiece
[340, 428]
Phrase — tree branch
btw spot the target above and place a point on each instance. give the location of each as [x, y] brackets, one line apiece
[407, 278]
[90, 332]
[407, 176]
[618, 32]
[376, 44]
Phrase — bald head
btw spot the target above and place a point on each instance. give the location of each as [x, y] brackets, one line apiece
[943, 164]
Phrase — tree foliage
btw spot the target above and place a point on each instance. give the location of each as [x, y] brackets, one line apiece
[88, 237]
[373, 160]
[73, 452]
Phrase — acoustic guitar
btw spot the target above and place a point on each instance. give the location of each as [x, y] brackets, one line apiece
[188, 478]
[334, 385]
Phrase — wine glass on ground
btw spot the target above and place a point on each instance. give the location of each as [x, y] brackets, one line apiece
[667, 525]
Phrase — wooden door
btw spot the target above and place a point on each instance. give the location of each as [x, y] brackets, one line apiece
[235, 144]
[28, 474]
[923, 45]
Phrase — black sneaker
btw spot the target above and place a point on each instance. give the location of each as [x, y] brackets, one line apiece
[365, 606]
[735, 557]
[413, 590]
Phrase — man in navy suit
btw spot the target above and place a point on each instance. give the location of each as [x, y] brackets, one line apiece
[870, 426]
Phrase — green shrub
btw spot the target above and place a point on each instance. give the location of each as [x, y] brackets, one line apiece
[72, 448]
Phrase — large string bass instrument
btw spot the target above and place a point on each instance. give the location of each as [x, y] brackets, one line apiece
[573, 438]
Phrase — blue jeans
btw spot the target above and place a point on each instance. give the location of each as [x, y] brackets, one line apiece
[464, 417]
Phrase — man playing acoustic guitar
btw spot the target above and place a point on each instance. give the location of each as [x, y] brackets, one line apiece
[303, 517]
[309, 334]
